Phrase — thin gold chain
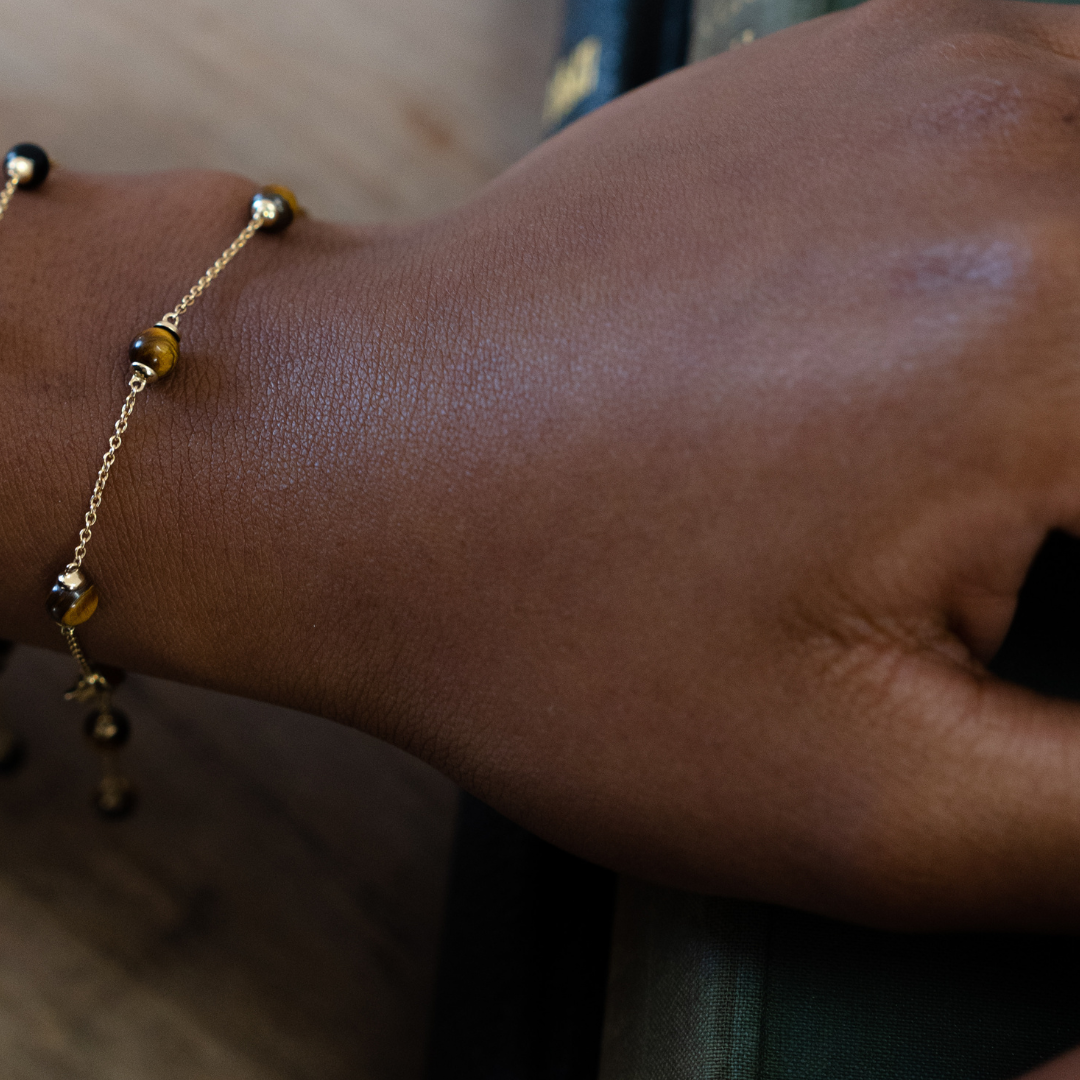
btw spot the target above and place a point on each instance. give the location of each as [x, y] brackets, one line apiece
[76, 650]
[207, 279]
[114, 794]
[137, 386]
[9, 190]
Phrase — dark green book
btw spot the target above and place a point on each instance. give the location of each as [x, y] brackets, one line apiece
[705, 989]
[609, 47]
[719, 25]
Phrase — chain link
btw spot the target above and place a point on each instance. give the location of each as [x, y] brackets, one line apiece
[207, 279]
[137, 383]
[76, 650]
[137, 386]
[115, 793]
[9, 190]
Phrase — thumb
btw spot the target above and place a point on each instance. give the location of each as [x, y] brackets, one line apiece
[974, 820]
[979, 777]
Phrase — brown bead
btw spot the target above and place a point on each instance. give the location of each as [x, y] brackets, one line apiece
[283, 203]
[73, 598]
[114, 797]
[108, 729]
[154, 352]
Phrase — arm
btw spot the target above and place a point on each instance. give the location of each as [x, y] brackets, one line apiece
[669, 495]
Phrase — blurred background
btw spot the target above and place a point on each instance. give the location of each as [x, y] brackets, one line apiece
[272, 911]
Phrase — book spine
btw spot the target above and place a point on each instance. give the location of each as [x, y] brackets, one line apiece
[609, 47]
[719, 25]
[687, 987]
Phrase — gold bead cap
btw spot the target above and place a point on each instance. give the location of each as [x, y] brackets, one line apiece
[22, 169]
[276, 206]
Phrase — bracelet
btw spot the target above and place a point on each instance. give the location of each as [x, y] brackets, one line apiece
[153, 355]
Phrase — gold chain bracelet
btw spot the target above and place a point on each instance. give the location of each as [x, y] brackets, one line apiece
[74, 596]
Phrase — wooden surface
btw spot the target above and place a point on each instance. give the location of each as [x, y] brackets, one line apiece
[272, 911]
[371, 109]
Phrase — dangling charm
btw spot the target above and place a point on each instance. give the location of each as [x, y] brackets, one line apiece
[73, 600]
[108, 730]
[88, 688]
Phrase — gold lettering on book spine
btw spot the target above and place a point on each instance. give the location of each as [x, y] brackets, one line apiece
[574, 79]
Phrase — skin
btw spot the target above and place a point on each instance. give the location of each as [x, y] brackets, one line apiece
[670, 495]
[1064, 1068]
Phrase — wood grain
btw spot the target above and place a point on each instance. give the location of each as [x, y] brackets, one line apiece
[373, 109]
[272, 911]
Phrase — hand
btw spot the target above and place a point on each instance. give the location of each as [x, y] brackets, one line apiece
[671, 495]
[787, 404]
[1063, 1068]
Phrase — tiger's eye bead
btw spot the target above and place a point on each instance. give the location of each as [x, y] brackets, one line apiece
[108, 729]
[114, 797]
[277, 206]
[29, 163]
[154, 352]
[74, 598]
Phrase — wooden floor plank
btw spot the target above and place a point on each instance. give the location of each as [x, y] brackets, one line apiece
[372, 109]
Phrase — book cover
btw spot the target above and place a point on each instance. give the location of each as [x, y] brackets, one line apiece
[719, 25]
[706, 989]
[609, 47]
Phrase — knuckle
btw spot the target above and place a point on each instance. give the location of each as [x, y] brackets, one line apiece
[1007, 278]
[985, 90]
[1022, 279]
[1031, 266]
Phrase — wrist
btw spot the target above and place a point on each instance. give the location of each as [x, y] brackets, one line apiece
[224, 547]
